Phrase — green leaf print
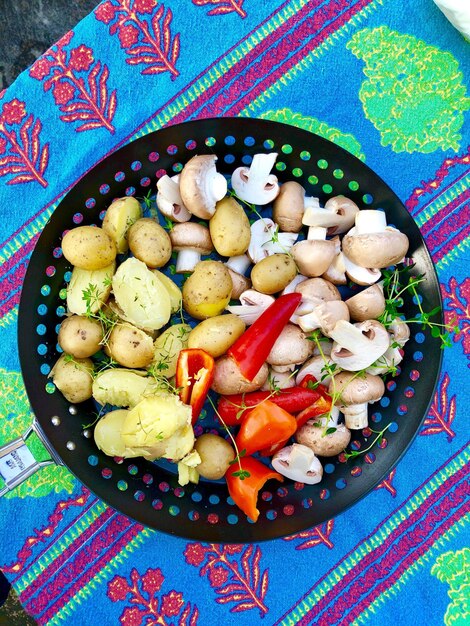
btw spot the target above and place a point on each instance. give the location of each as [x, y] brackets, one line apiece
[453, 568]
[344, 140]
[15, 418]
[414, 94]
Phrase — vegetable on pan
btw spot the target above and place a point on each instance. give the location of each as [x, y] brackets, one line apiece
[194, 372]
[251, 350]
[244, 479]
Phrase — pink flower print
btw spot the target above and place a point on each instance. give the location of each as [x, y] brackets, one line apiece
[81, 58]
[218, 576]
[40, 69]
[132, 616]
[144, 6]
[195, 554]
[105, 12]
[13, 112]
[128, 35]
[233, 548]
[172, 603]
[152, 580]
[65, 40]
[63, 92]
[118, 589]
[3, 145]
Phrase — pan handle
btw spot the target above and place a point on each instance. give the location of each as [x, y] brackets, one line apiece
[17, 462]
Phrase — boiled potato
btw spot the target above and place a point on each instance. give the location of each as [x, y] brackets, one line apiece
[88, 290]
[123, 387]
[141, 295]
[216, 334]
[80, 336]
[216, 455]
[207, 291]
[167, 348]
[120, 215]
[173, 290]
[89, 248]
[273, 273]
[130, 346]
[107, 434]
[149, 242]
[230, 228]
[73, 377]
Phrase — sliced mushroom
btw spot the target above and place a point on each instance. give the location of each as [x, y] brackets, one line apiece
[239, 263]
[314, 435]
[299, 463]
[368, 304]
[353, 393]
[169, 199]
[190, 240]
[371, 243]
[314, 292]
[357, 346]
[252, 304]
[256, 184]
[324, 316]
[336, 272]
[201, 186]
[338, 215]
[316, 366]
[315, 254]
[267, 240]
[288, 207]
[292, 286]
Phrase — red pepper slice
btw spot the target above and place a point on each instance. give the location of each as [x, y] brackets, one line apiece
[310, 382]
[265, 425]
[233, 409]
[251, 349]
[194, 374]
[244, 481]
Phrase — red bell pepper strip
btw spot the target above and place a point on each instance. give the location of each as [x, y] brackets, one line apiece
[265, 425]
[244, 479]
[233, 409]
[194, 374]
[310, 382]
[251, 349]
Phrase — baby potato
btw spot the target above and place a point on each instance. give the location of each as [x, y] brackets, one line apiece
[73, 378]
[216, 455]
[89, 248]
[120, 215]
[122, 387]
[216, 334]
[207, 291]
[88, 290]
[230, 228]
[130, 346]
[273, 273]
[107, 434]
[149, 242]
[167, 348]
[80, 336]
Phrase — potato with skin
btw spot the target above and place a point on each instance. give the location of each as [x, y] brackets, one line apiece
[89, 248]
[229, 380]
[149, 242]
[216, 455]
[119, 217]
[88, 290]
[130, 346]
[80, 336]
[207, 291]
[73, 378]
[230, 228]
[216, 334]
[167, 347]
[274, 273]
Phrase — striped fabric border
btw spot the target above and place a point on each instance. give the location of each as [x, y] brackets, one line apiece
[394, 550]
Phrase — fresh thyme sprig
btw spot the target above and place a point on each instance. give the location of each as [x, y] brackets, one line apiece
[380, 433]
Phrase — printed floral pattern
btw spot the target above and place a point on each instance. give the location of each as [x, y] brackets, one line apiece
[320, 535]
[453, 568]
[79, 85]
[457, 301]
[222, 7]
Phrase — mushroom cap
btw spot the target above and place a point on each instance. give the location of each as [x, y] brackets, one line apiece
[288, 207]
[315, 366]
[318, 290]
[336, 272]
[368, 304]
[399, 331]
[357, 346]
[376, 250]
[201, 186]
[344, 208]
[228, 379]
[324, 316]
[191, 235]
[292, 346]
[313, 256]
[169, 199]
[361, 275]
[299, 463]
[312, 435]
[354, 389]
[240, 283]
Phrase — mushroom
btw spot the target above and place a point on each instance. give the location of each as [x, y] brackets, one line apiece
[316, 366]
[338, 215]
[201, 186]
[239, 263]
[252, 304]
[240, 283]
[314, 292]
[368, 304]
[324, 316]
[371, 243]
[190, 240]
[169, 199]
[361, 275]
[291, 348]
[256, 184]
[315, 254]
[399, 334]
[357, 346]
[399, 331]
[279, 379]
[292, 286]
[353, 393]
[299, 463]
[324, 437]
[288, 207]
[336, 272]
[266, 240]
[228, 379]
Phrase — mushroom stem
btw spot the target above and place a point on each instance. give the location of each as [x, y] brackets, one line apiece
[239, 263]
[317, 233]
[169, 188]
[355, 416]
[187, 260]
[370, 221]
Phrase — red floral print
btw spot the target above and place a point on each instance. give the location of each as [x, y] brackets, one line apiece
[144, 6]
[13, 112]
[152, 580]
[63, 92]
[3, 145]
[118, 588]
[172, 603]
[218, 576]
[81, 58]
[105, 12]
[132, 616]
[128, 35]
[40, 69]
[195, 554]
